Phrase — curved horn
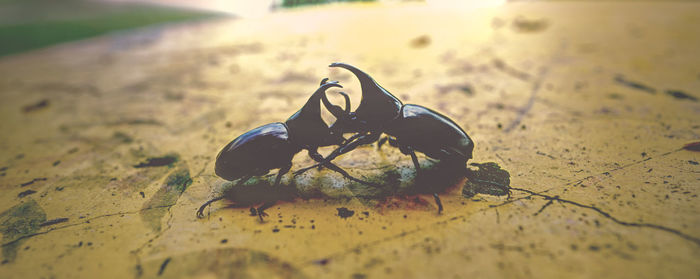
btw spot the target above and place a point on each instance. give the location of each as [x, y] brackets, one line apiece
[377, 105]
[347, 101]
[336, 111]
[323, 81]
[311, 111]
[364, 78]
[311, 105]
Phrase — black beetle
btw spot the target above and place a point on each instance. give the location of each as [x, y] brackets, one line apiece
[272, 146]
[410, 127]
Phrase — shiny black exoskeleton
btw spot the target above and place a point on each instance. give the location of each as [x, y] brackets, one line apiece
[410, 127]
[272, 146]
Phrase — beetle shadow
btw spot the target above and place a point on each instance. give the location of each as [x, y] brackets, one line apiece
[402, 185]
[258, 190]
[393, 183]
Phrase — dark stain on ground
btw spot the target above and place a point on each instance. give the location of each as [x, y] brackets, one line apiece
[259, 190]
[489, 179]
[163, 266]
[17, 223]
[136, 182]
[634, 85]
[681, 95]
[53, 222]
[524, 25]
[122, 137]
[463, 88]
[344, 212]
[36, 106]
[166, 160]
[154, 209]
[136, 121]
[501, 65]
[25, 193]
[226, 262]
[32, 181]
[693, 146]
[420, 42]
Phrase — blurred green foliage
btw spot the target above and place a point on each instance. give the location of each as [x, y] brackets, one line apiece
[295, 3]
[34, 24]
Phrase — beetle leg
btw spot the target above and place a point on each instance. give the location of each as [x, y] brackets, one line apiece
[438, 202]
[353, 137]
[414, 158]
[350, 146]
[313, 153]
[345, 148]
[382, 141]
[407, 149]
[393, 142]
[200, 211]
[282, 171]
[261, 210]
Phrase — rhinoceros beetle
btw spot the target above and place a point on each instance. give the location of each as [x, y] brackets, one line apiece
[410, 127]
[272, 146]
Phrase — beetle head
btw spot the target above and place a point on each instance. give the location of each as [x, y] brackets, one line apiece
[307, 128]
[377, 107]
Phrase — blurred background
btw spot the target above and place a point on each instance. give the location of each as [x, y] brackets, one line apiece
[31, 24]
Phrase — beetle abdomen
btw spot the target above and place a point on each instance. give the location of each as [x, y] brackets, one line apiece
[256, 152]
[431, 133]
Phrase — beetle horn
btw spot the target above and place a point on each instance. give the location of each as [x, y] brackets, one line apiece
[323, 81]
[312, 105]
[306, 126]
[330, 106]
[364, 78]
[377, 105]
[336, 111]
[347, 101]
[369, 85]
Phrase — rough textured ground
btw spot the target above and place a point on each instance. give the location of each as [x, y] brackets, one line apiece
[108, 147]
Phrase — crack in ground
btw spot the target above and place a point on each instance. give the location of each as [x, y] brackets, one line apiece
[135, 253]
[530, 193]
[206, 164]
[579, 181]
[87, 221]
[418, 229]
[530, 101]
[551, 200]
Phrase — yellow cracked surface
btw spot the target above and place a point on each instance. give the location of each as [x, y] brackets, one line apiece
[574, 100]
